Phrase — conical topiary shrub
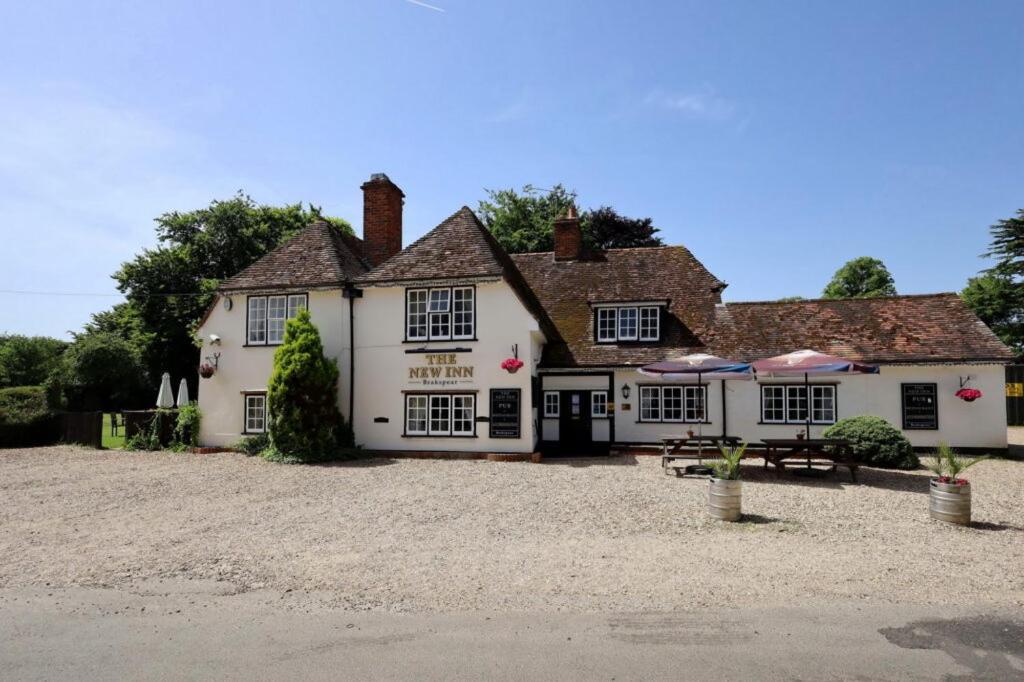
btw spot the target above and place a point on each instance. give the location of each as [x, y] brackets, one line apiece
[302, 396]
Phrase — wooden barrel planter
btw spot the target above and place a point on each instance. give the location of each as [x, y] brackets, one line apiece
[950, 502]
[724, 500]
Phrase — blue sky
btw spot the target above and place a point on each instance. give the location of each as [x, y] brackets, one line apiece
[775, 140]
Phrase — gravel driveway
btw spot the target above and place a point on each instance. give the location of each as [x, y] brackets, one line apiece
[424, 535]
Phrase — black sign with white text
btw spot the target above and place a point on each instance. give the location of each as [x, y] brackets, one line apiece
[505, 412]
[920, 407]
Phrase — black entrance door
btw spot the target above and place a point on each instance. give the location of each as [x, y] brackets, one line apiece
[575, 435]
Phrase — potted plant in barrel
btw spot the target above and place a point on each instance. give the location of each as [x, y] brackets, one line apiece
[950, 495]
[724, 501]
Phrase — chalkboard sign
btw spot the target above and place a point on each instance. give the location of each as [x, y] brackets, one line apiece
[920, 407]
[505, 412]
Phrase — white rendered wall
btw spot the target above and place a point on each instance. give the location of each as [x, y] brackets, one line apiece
[243, 369]
[979, 424]
[383, 369]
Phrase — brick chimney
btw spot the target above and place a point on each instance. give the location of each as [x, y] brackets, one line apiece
[382, 218]
[568, 236]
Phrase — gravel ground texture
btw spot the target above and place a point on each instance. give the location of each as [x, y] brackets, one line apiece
[430, 536]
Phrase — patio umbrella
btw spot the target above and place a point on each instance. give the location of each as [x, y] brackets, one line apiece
[165, 398]
[807, 362]
[183, 393]
[697, 367]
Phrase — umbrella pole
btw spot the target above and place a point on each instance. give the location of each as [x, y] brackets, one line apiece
[725, 431]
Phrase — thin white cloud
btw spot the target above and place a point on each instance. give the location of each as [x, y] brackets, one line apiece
[423, 4]
[705, 103]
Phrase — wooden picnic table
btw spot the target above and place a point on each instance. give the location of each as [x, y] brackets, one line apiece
[673, 453]
[836, 451]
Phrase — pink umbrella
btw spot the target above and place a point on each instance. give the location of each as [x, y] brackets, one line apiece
[806, 363]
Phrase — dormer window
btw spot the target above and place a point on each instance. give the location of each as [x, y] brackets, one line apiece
[628, 323]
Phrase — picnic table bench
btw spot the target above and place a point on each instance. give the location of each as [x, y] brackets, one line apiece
[674, 458]
[833, 451]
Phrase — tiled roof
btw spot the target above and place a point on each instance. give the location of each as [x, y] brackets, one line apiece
[320, 255]
[921, 328]
[460, 247]
[567, 290]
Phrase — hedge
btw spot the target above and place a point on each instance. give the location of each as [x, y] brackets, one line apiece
[26, 418]
[875, 442]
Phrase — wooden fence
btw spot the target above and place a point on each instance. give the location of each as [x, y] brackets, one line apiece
[85, 428]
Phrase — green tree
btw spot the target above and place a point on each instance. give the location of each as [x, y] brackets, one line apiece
[863, 277]
[603, 228]
[102, 371]
[997, 301]
[302, 396]
[28, 360]
[524, 222]
[1008, 246]
[168, 288]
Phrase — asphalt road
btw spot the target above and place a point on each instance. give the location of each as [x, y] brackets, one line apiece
[169, 631]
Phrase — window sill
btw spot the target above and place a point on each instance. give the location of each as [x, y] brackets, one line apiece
[803, 423]
[435, 435]
[262, 345]
[662, 421]
[443, 340]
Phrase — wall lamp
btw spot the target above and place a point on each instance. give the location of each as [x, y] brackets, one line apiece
[625, 391]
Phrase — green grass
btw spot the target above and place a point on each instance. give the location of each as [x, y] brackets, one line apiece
[112, 442]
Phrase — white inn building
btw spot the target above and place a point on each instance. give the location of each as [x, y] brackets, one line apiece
[421, 334]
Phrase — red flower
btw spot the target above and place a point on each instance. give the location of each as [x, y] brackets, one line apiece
[511, 365]
[968, 395]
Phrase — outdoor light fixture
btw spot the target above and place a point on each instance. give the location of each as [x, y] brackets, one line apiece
[625, 391]
[214, 340]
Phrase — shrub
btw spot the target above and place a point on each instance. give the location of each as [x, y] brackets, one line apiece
[875, 442]
[25, 417]
[302, 396]
[186, 428]
[253, 445]
[154, 433]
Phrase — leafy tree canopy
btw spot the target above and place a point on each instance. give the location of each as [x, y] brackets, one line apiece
[302, 396]
[170, 286]
[863, 277]
[101, 371]
[997, 300]
[28, 360]
[1008, 245]
[523, 222]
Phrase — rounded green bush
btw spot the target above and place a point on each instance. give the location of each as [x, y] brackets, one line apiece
[875, 442]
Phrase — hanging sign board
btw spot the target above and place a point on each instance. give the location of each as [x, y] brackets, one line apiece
[505, 403]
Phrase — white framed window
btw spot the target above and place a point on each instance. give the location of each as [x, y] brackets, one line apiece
[463, 312]
[255, 413]
[462, 415]
[773, 404]
[551, 404]
[650, 324]
[416, 314]
[440, 422]
[416, 415]
[823, 404]
[607, 324]
[672, 403]
[268, 315]
[599, 404]
[650, 403]
[695, 401]
[787, 404]
[257, 320]
[628, 324]
[684, 404]
[440, 414]
[440, 313]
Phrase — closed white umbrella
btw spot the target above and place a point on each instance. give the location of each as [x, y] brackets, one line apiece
[183, 393]
[165, 398]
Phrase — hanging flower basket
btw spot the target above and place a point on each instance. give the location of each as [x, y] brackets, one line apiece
[968, 395]
[206, 370]
[511, 365]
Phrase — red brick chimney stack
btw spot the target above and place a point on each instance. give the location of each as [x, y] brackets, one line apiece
[568, 236]
[382, 218]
